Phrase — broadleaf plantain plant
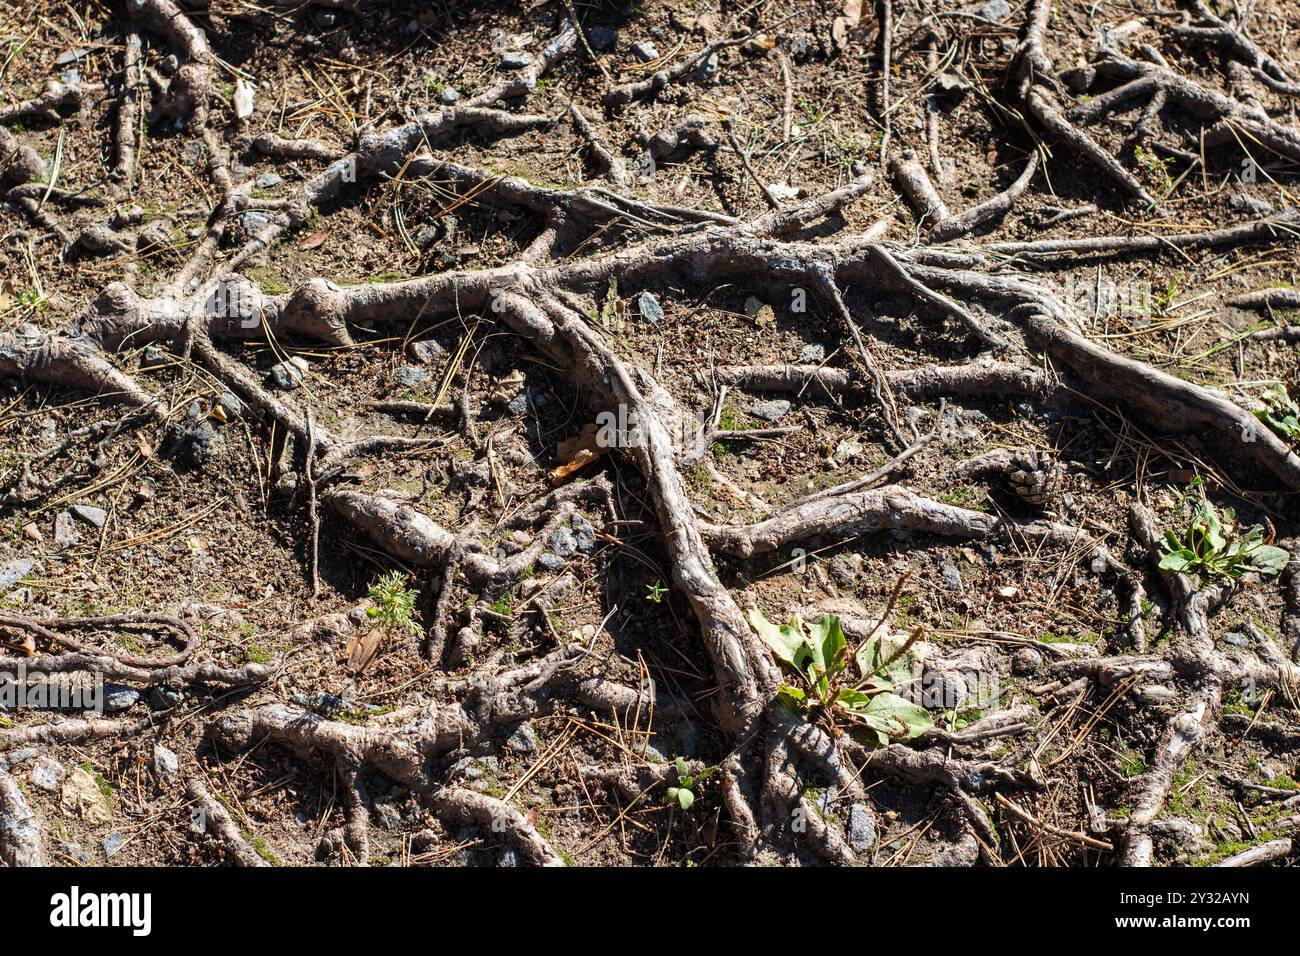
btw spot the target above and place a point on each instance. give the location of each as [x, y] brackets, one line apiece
[1213, 547]
[829, 694]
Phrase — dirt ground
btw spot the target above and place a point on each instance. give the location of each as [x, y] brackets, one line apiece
[406, 407]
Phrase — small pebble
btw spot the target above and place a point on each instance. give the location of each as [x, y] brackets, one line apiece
[770, 411]
[650, 308]
[411, 375]
[90, 514]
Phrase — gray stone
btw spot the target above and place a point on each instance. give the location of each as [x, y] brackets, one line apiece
[548, 561]
[90, 514]
[523, 740]
[770, 411]
[255, 221]
[812, 355]
[165, 698]
[15, 571]
[165, 764]
[1236, 639]
[995, 10]
[66, 534]
[112, 844]
[154, 357]
[645, 51]
[962, 853]
[411, 376]
[289, 375]
[202, 446]
[449, 95]
[192, 154]
[426, 236]
[515, 60]
[602, 39]
[47, 773]
[325, 19]
[1249, 204]
[650, 308]
[563, 542]
[584, 535]
[118, 697]
[519, 404]
[269, 180]
[509, 857]
[846, 450]
[426, 351]
[230, 404]
[862, 828]
[952, 83]
[951, 577]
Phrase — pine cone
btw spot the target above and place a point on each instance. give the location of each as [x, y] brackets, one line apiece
[1034, 476]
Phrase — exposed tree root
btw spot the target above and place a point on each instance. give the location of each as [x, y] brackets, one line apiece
[981, 297]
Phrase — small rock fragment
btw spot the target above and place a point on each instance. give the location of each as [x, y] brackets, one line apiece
[243, 99]
[48, 773]
[83, 799]
[862, 828]
[118, 697]
[90, 514]
[770, 411]
[426, 351]
[66, 534]
[523, 740]
[602, 39]
[165, 764]
[995, 10]
[411, 375]
[15, 571]
[289, 375]
[650, 308]
[812, 355]
[550, 561]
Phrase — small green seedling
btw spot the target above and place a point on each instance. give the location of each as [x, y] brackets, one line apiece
[1212, 546]
[394, 602]
[1281, 413]
[683, 795]
[656, 592]
[819, 655]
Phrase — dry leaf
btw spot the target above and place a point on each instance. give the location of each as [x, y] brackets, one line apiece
[362, 649]
[576, 453]
[315, 239]
[507, 388]
[1008, 593]
[853, 11]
